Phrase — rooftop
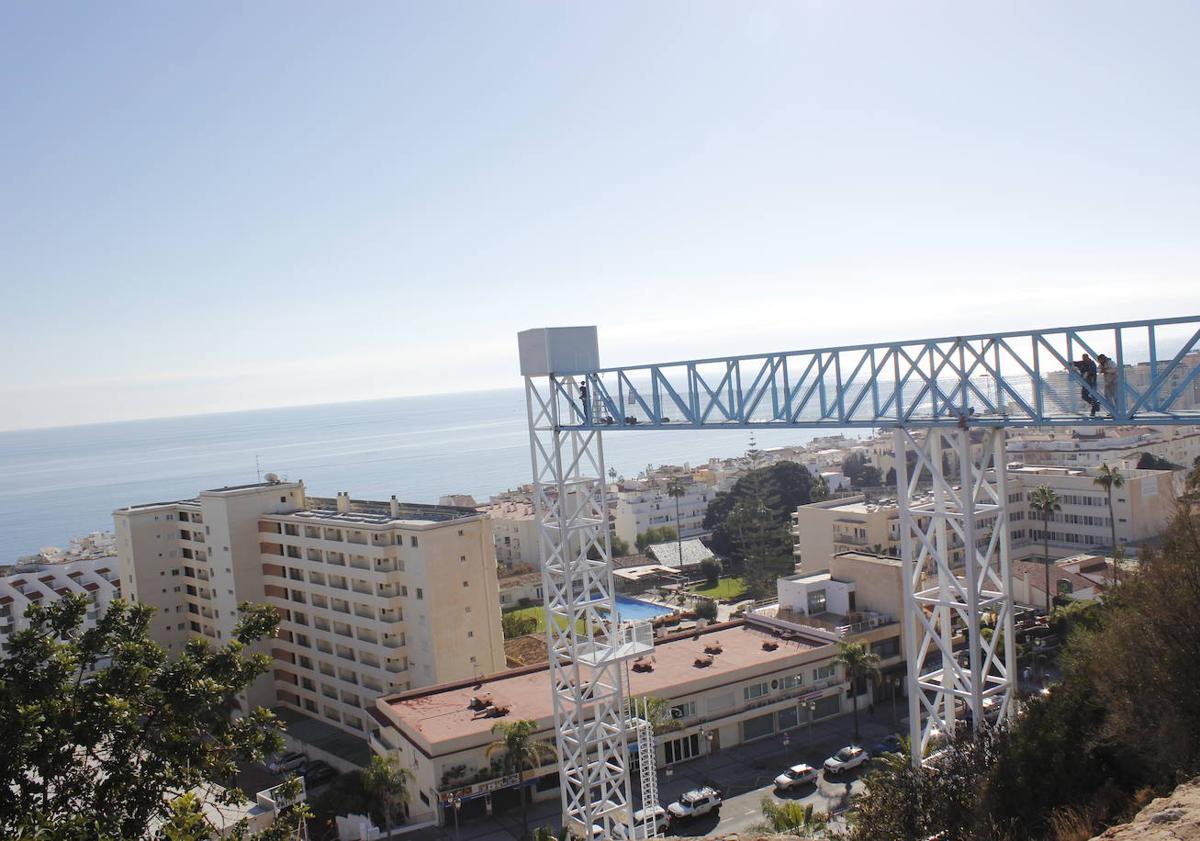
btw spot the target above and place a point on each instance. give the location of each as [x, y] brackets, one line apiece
[441, 713]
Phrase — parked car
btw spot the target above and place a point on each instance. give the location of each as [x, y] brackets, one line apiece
[290, 761]
[888, 744]
[847, 759]
[656, 815]
[317, 773]
[796, 776]
[695, 803]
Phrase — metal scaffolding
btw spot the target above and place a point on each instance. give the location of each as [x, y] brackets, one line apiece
[962, 391]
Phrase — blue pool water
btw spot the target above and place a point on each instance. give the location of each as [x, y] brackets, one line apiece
[631, 610]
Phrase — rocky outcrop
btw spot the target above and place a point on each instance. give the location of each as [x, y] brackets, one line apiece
[1175, 817]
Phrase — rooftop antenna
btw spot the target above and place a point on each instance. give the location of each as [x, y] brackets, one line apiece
[257, 467]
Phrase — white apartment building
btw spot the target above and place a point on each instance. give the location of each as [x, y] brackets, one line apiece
[1142, 509]
[639, 509]
[1115, 446]
[727, 684]
[373, 597]
[514, 528]
[42, 583]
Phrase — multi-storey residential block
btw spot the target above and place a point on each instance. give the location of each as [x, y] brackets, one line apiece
[373, 597]
[761, 677]
[1142, 508]
[640, 508]
[728, 684]
[42, 583]
[1117, 446]
[514, 527]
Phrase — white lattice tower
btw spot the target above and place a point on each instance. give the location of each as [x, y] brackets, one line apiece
[954, 543]
[587, 646]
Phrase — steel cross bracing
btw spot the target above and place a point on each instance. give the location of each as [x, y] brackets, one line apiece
[587, 645]
[954, 547]
[947, 386]
[1000, 379]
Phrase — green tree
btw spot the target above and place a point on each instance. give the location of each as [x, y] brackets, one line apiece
[677, 491]
[706, 609]
[515, 624]
[1043, 502]
[620, 548]
[820, 489]
[1149, 461]
[869, 477]
[387, 782]
[1110, 478]
[654, 535]
[658, 713]
[519, 751]
[861, 664]
[785, 485]
[710, 568]
[103, 731]
[790, 816]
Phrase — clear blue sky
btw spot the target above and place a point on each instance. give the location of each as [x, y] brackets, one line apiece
[212, 206]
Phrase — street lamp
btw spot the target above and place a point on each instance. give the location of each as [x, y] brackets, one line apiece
[811, 706]
[896, 683]
[456, 802]
[708, 735]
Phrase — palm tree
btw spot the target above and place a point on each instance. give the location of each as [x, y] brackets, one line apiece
[1109, 478]
[860, 662]
[1044, 502]
[519, 752]
[676, 490]
[386, 781]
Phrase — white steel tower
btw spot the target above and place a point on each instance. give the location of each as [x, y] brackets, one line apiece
[588, 646]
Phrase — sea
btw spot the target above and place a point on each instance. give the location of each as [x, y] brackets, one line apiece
[60, 483]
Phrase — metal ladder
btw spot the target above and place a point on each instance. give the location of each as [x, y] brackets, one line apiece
[639, 719]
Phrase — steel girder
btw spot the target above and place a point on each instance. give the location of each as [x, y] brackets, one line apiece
[1000, 379]
[956, 568]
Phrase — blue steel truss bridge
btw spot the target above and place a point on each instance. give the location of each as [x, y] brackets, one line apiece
[959, 393]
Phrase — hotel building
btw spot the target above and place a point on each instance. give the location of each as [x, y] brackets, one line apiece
[373, 597]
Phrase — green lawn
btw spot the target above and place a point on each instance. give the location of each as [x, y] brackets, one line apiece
[538, 612]
[727, 588]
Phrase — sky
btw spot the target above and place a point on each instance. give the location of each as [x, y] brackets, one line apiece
[217, 206]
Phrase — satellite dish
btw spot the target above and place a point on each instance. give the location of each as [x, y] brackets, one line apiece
[273, 478]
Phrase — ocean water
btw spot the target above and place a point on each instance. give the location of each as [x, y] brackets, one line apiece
[59, 483]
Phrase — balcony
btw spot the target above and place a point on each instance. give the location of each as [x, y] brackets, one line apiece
[397, 667]
[849, 539]
[363, 588]
[368, 636]
[363, 612]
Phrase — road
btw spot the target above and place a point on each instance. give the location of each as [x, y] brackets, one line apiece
[742, 811]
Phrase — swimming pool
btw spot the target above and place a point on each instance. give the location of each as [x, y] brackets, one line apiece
[632, 610]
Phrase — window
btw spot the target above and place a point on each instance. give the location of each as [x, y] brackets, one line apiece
[404, 589]
[757, 728]
[462, 558]
[460, 532]
[466, 583]
[678, 750]
[420, 593]
[685, 710]
[825, 672]
[412, 541]
[755, 690]
[816, 602]
[470, 635]
[791, 681]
